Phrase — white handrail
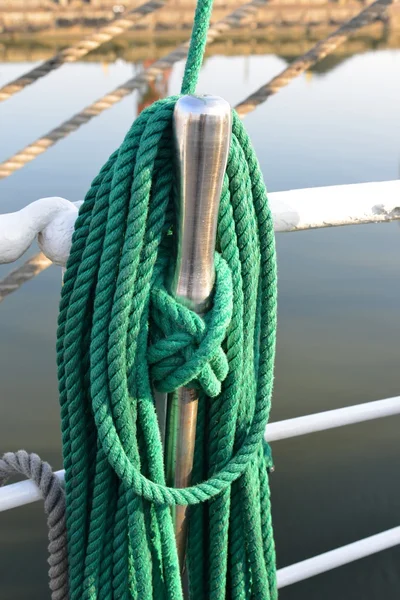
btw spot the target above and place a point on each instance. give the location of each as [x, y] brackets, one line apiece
[338, 557]
[25, 492]
[332, 206]
[330, 419]
[21, 493]
[52, 219]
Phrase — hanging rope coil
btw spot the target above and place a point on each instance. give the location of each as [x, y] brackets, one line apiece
[120, 331]
[108, 343]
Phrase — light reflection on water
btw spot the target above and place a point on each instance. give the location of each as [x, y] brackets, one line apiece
[338, 310]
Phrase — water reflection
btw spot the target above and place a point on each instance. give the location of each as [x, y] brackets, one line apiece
[339, 293]
[141, 47]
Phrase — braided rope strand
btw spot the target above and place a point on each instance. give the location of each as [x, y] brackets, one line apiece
[42, 144]
[40, 472]
[99, 37]
[115, 281]
[121, 334]
[27, 271]
[368, 15]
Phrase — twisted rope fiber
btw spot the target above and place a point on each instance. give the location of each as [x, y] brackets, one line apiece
[32, 267]
[322, 49]
[32, 467]
[244, 559]
[376, 10]
[121, 332]
[42, 144]
[99, 37]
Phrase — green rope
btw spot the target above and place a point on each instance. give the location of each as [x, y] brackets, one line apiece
[121, 333]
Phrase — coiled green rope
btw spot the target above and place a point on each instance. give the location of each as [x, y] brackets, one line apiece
[120, 332]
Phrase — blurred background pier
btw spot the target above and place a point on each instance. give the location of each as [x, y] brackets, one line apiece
[70, 17]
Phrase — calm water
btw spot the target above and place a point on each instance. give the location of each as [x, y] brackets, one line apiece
[339, 324]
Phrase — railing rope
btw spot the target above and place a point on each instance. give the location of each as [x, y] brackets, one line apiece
[79, 50]
[313, 56]
[24, 492]
[52, 219]
[32, 267]
[323, 48]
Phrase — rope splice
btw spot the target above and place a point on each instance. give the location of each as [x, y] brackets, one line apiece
[121, 333]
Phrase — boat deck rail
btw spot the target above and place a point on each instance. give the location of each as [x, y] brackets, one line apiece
[52, 221]
[25, 492]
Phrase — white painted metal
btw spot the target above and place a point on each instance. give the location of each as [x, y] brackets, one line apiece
[331, 419]
[339, 557]
[336, 205]
[21, 493]
[24, 492]
[52, 219]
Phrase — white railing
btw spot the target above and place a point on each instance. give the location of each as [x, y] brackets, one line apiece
[333, 206]
[53, 219]
[25, 492]
[338, 557]
[332, 418]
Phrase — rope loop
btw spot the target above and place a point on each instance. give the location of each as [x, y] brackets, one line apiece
[40, 472]
[121, 333]
[188, 350]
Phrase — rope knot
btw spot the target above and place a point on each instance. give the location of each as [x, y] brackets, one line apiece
[187, 347]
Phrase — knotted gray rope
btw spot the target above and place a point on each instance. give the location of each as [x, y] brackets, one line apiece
[40, 472]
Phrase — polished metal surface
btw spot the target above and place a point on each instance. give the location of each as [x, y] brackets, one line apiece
[202, 130]
[202, 133]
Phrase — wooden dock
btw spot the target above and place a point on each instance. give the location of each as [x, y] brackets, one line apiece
[58, 18]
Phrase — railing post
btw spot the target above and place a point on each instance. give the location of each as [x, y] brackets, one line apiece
[202, 130]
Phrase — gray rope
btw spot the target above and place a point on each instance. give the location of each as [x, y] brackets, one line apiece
[27, 271]
[40, 472]
[77, 51]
